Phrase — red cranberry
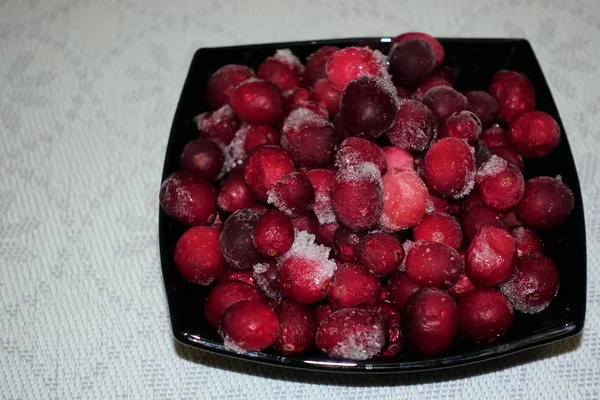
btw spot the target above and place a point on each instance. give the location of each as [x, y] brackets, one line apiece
[295, 96]
[461, 287]
[306, 223]
[283, 69]
[235, 194]
[323, 311]
[490, 257]
[312, 106]
[248, 326]
[357, 196]
[445, 101]
[484, 106]
[501, 184]
[509, 155]
[265, 277]
[427, 84]
[400, 288]
[380, 253]
[527, 241]
[455, 182]
[232, 274]
[297, 328]
[308, 138]
[187, 199]
[494, 136]
[326, 95]
[514, 93]
[350, 63]
[439, 227]
[546, 203]
[258, 102]
[353, 286]
[315, 64]
[534, 134]
[433, 264]
[368, 106]
[405, 198]
[265, 166]
[430, 321]
[351, 334]
[293, 194]
[257, 135]
[354, 151]
[223, 82]
[345, 244]
[273, 234]
[198, 257]
[321, 180]
[391, 318]
[203, 158]
[324, 234]
[225, 294]
[533, 285]
[484, 315]
[436, 204]
[236, 241]
[411, 61]
[462, 125]
[220, 125]
[476, 218]
[438, 49]
[415, 127]
[396, 157]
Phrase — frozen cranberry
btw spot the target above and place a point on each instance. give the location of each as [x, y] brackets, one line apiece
[445, 73]
[357, 196]
[437, 46]
[325, 94]
[439, 227]
[219, 125]
[391, 317]
[312, 106]
[428, 84]
[415, 127]
[265, 166]
[350, 63]
[273, 234]
[232, 274]
[308, 138]
[354, 151]
[476, 218]
[305, 272]
[203, 158]
[455, 182]
[400, 288]
[462, 286]
[484, 106]
[490, 257]
[345, 244]
[430, 321]
[261, 134]
[396, 157]
[323, 311]
[405, 198]
[235, 193]
[315, 64]
[283, 69]
[546, 203]
[297, 328]
[494, 136]
[248, 326]
[236, 239]
[351, 334]
[198, 257]
[509, 155]
[527, 241]
[433, 264]
[514, 93]
[436, 204]
[533, 285]
[295, 96]
[293, 194]
[462, 125]
[380, 253]
[306, 223]
[223, 82]
[484, 315]
[352, 286]
[324, 234]
[258, 102]
[321, 180]
[189, 200]
[411, 61]
[501, 184]
[225, 294]
[445, 101]
[534, 134]
[264, 275]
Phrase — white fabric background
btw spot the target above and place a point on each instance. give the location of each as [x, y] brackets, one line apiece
[88, 89]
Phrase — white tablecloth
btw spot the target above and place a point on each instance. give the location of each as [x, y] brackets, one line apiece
[88, 89]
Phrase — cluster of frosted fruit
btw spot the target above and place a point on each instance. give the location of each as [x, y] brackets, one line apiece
[359, 204]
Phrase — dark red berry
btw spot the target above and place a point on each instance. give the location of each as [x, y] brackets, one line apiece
[350, 63]
[462, 125]
[219, 125]
[248, 326]
[514, 93]
[265, 166]
[439, 227]
[198, 256]
[189, 200]
[484, 106]
[297, 327]
[236, 240]
[490, 257]
[273, 234]
[380, 253]
[411, 61]
[433, 264]
[225, 294]
[352, 286]
[223, 82]
[445, 101]
[534, 134]
[315, 64]
[484, 315]
[203, 158]
[293, 194]
[354, 151]
[455, 182]
[258, 102]
[546, 203]
[415, 127]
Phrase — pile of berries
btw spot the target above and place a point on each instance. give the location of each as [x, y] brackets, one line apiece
[359, 203]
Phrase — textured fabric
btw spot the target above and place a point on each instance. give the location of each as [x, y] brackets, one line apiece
[87, 94]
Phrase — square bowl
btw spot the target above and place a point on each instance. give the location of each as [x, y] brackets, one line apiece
[474, 61]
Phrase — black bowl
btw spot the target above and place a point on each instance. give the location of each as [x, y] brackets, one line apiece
[474, 61]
